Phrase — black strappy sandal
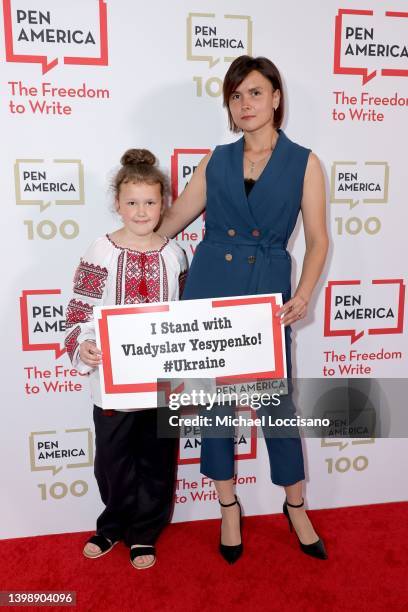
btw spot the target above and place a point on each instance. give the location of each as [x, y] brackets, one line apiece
[142, 551]
[104, 544]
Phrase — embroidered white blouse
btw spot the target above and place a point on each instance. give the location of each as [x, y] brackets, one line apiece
[109, 274]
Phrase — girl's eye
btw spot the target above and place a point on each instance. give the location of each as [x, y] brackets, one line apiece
[256, 92]
[235, 96]
[131, 203]
[150, 202]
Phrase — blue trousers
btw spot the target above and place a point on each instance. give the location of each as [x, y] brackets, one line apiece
[284, 446]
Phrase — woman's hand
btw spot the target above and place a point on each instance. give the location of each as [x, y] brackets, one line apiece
[90, 354]
[293, 310]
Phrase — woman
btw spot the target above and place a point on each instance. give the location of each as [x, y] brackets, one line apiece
[253, 190]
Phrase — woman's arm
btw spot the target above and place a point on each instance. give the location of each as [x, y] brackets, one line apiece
[314, 222]
[188, 205]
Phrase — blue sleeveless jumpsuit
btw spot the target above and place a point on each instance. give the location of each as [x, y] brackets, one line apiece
[244, 253]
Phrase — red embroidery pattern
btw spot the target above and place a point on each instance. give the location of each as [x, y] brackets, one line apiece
[78, 312]
[182, 282]
[165, 280]
[71, 341]
[142, 278]
[90, 280]
[119, 275]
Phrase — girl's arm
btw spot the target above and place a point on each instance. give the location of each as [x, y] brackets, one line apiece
[88, 291]
[188, 205]
[314, 222]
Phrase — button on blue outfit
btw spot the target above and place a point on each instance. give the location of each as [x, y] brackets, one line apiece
[244, 253]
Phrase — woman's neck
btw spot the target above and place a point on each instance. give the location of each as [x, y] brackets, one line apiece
[261, 140]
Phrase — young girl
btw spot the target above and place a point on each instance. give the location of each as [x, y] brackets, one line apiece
[134, 469]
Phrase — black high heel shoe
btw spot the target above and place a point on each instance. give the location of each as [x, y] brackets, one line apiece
[316, 549]
[232, 553]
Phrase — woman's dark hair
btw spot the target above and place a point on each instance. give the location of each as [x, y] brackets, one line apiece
[140, 166]
[239, 70]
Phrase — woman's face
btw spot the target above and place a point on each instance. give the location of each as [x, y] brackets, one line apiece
[252, 103]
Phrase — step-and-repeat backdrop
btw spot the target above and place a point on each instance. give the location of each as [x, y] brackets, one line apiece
[81, 82]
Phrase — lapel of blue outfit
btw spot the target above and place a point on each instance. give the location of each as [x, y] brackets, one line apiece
[261, 193]
[253, 207]
[236, 180]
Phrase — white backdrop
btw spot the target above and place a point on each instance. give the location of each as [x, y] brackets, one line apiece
[85, 80]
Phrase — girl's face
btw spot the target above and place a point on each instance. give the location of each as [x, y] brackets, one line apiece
[252, 103]
[140, 207]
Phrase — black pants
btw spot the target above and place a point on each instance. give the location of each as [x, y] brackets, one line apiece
[135, 472]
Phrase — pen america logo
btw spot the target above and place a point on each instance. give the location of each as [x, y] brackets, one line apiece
[52, 450]
[368, 43]
[355, 182]
[355, 308]
[211, 37]
[42, 314]
[40, 182]
[183, 164]
[245, 440]
[53, 33]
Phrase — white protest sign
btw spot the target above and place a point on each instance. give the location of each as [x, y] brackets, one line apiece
[226, 339]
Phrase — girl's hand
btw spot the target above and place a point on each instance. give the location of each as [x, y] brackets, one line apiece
[90, 354]
[293, 310]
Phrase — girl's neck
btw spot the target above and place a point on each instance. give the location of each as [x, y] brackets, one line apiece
[261, 140]
[125, 239]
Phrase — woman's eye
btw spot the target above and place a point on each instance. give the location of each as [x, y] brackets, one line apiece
[235, 96]
[256, 93]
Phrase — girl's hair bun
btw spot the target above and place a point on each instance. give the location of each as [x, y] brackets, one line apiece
[138, 156]
[140, 166]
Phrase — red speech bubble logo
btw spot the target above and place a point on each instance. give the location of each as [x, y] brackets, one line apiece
[27, 345]
[175, 185]
[338, 68]
[363, 71]
[354, 336]
[46, 64]
[183, 165]
[353, 333]
[399, 328]
[193, 457]
[389, 71]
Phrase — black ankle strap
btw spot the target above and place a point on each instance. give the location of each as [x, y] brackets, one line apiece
[228, 505]
[142, 551]
[295, 505]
